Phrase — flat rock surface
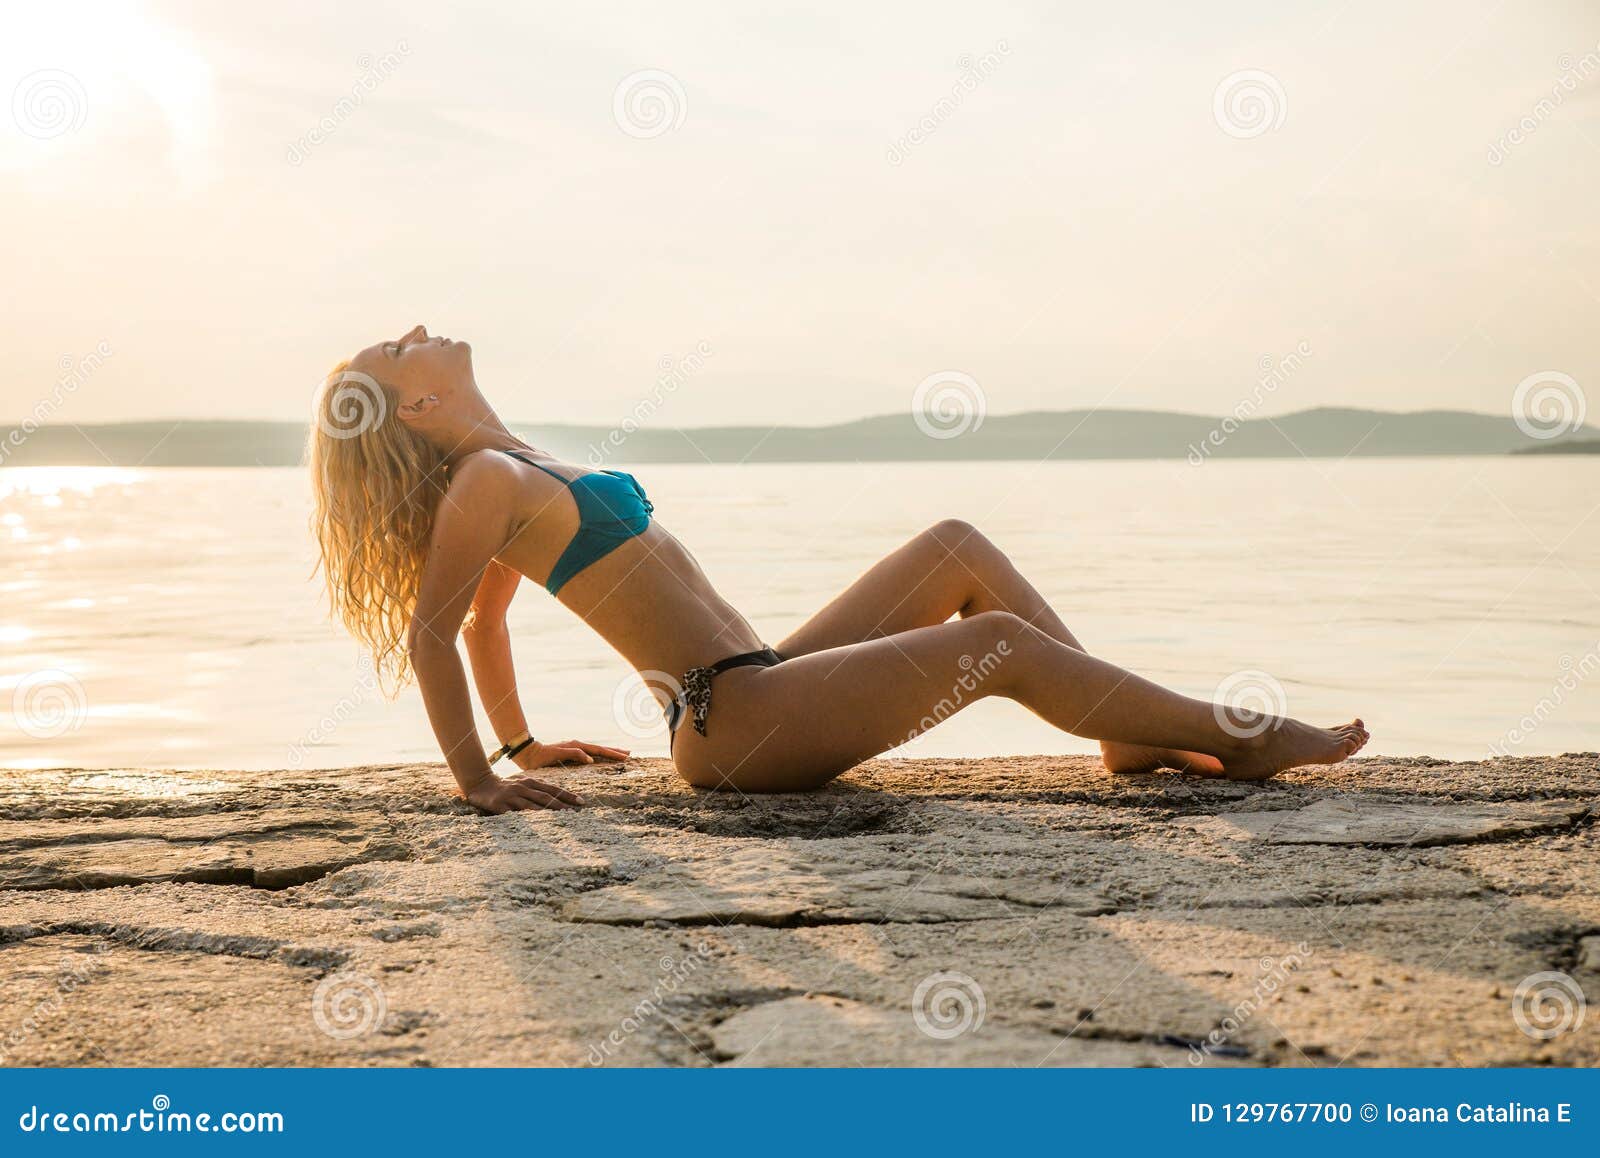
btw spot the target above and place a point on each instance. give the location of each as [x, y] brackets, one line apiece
[1025, 911]
[1390, 822]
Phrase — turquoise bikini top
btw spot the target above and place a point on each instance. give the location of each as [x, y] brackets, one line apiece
[612, 508]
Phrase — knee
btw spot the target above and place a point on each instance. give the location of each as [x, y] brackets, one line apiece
[953, 531]
[1000, 645]
[1001, 631]
[957, 539]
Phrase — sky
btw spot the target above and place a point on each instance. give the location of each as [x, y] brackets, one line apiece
[1133, 205]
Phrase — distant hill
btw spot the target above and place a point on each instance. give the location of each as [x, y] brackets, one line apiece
[1566, 446]
[1069, 434]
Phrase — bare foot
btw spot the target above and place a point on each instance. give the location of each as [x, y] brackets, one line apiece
[1128, 759]
[1291, 744]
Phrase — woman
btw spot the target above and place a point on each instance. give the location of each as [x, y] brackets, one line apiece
[429, 512]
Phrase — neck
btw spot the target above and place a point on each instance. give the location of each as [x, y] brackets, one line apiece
[484, 432]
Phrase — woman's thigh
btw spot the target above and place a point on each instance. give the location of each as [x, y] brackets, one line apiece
[798, 725]
[919, 584]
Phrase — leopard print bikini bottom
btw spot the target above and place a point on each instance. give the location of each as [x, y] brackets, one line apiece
[693, 701]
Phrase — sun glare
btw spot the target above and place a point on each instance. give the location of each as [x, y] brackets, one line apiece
[74, 81]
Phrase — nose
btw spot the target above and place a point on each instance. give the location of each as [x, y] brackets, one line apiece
[417, 332]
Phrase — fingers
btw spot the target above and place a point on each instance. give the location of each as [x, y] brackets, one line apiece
[571, 798]
[569, 753]
[560, 795]
[600, 751]
[527, 796]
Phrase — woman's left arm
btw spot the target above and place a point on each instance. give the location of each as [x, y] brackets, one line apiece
[488, 642]
[470, 526]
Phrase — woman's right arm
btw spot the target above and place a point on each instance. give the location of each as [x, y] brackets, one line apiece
[470, 527]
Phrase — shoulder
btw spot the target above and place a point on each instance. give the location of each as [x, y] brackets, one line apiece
[482, 473]
[481, 488]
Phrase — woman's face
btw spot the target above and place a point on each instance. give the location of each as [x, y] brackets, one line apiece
[415, 365]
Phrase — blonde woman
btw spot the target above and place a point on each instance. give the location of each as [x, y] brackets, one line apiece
[430, 512]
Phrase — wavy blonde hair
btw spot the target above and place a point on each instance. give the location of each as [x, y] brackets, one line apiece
[376, 486]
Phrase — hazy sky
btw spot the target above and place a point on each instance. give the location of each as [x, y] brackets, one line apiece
[1076, 222]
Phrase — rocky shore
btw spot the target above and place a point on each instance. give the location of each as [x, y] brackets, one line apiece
[1021, 911]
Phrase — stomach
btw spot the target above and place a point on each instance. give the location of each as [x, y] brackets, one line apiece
[651, 601]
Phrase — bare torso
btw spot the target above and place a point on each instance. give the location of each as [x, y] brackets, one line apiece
[648, 598]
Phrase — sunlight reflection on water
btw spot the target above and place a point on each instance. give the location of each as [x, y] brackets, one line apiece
[1440, 599]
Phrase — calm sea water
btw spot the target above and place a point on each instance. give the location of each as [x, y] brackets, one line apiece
[167, 618]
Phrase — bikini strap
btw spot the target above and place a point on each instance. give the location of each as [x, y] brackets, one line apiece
[535, 463]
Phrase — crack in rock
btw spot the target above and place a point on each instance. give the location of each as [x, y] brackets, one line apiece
[819, 817]
[828, 1030]
[787, 888]
[272, 849]
[178, 940]
[1347, 820]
